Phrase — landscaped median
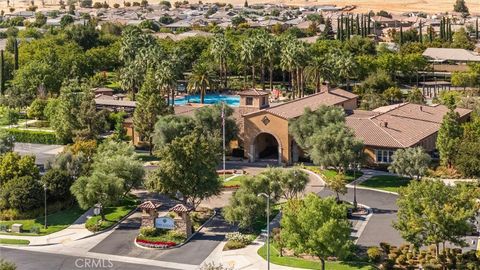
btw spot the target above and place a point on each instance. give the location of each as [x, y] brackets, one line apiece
[310, 263]
[390, 183]
[21, 242]
[113, 214]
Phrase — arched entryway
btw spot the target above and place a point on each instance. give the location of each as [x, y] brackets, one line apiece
[266, 147]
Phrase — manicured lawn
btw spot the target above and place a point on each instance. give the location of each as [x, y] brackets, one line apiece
[308, 264]
[386, 182]
[237, 181]
[56, 221]
[14, 241]
[113, 214]
[349, 176]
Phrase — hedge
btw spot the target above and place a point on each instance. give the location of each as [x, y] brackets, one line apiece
[33, 136]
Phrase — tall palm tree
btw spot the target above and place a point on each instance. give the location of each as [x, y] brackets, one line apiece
[287, 61]
[220, 50]
[271, 48]
[345, 66]
[201, 79]
[318, 70]
[247, 55]
[167, 81]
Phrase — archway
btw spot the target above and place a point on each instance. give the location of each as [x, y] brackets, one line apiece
[266, 147]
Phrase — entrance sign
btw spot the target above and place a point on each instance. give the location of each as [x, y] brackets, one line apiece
[165, 223]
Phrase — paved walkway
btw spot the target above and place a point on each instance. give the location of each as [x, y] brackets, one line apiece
[73, 232]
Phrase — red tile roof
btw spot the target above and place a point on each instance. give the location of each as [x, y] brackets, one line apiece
[296, 108]
[399, 126]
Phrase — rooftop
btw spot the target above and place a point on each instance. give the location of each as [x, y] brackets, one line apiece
[450, 54]
[400, 125]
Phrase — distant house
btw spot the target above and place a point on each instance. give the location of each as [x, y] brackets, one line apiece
[450, 59]
[398, 126]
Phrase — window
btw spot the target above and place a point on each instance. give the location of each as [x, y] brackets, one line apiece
[264, 101]
[383, 156]
[249, 101]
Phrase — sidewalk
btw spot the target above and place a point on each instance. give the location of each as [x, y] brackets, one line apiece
[73, 232]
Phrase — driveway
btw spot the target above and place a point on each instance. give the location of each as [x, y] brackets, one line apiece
[379, 228]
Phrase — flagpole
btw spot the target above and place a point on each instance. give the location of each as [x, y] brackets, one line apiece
[223, 129]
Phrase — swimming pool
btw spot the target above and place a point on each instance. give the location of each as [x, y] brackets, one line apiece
[230, 100]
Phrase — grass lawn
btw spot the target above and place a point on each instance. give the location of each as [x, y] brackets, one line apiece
[237, 181]
[349, 176]
[386, 182]
[308, 264]
[14, 242]
[113, 214]
[56, 221]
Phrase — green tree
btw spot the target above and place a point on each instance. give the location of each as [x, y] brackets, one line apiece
[336, 146]
[316, 226]
[293, 182]
[209, 120]
[460, 6]
[6, 142]
[187, 169]
[464, 79]
[22, 193]
[150, 105]
[467, 160]
[305, 126]
[36, 109]
[461, 39]
[58, 183]
[431, 212]
[220, 49]
[449, 137]
[12, 165]
[66, 20]
[372, 100]
[393, 95]
[170, 127]
[201, 80]
[412, 162]
[415, 96]
[100, 187]
[337, 184]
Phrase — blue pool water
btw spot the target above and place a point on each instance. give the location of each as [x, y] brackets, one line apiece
[210, 99]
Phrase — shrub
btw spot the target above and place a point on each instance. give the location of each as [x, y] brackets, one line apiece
[385, 247]
[5, 265]
[9, 214]
[374, 254]
[4, 227]
[392, 256]
[8, 116]
[33, 136]
[35, 230]
[148, 231]
[234, 245]
[116, 5]
[402, 260]
[97, 5]
[21, 193]
[239, 237]
[35, 110]
[388, 264]
[176, 236]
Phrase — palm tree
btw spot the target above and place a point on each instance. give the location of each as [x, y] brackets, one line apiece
[166, 79]
[131, 79]
[220, 50]
[201, 79]
[247, 55]
[287, 61]
[270, 51]
[345, 66]
[318, 70]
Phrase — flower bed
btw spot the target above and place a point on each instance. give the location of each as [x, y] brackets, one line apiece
[155, 244]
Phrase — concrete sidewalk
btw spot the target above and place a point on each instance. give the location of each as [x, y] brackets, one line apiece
[73, 232]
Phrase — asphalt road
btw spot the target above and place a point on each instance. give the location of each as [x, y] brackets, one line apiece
[379, 228]
[120, 242]
[30, 260]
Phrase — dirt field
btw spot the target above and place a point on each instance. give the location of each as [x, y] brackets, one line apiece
[394, 6]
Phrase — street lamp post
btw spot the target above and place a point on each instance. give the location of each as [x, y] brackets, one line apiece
[45, 203]
[268, 227]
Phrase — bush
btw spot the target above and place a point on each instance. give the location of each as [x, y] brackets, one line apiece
[35, 230]
[33, 136]
[239, 237]
[58, 183]
[401, 260]
[374, 254]
[148, 231]
[116, 5]
[385, 247]
[9, 214]
[234, 245]
[35, 110]
[8, 116]
[3, 227]
[388, 264]
[5, 265]
[21, 193]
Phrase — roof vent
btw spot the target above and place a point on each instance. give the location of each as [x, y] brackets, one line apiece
[421, 108]
[385, 124]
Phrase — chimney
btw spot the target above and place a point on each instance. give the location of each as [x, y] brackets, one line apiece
[386, 124]
[327, 83]
[421, 108]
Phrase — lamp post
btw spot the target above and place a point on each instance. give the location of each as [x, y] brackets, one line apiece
[45, 203]
[268, 227]
[355, 167]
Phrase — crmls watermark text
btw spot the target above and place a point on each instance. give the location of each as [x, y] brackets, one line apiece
[91, 263]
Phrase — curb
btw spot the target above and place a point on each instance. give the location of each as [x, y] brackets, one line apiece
[364, 224]
[372, 189]
[184, 242]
